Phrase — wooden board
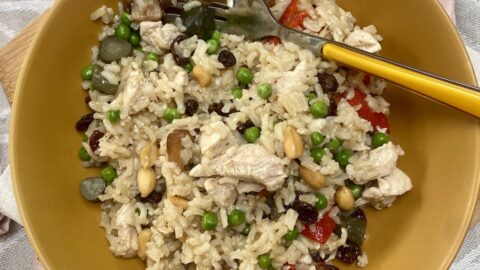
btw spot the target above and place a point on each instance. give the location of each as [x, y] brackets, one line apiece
[12, 56]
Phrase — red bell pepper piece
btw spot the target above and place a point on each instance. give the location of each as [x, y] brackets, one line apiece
[367, 79]
[323, 229]
[293, 17]
[377, 119]
[272, 40]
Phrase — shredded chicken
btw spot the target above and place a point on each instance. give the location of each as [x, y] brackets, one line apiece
[158, 35]
[216, 138]
[248, 162]
[146, 10]
[124, 244]
[366, 166]
[223, 193]
[363, 40]
[389, 187]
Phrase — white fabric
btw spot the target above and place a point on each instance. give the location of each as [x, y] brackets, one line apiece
[15, 250]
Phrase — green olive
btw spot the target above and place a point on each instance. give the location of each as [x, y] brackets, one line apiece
[114, 48]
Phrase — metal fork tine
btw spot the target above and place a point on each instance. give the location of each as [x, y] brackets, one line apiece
[219, 8]
[172, 17]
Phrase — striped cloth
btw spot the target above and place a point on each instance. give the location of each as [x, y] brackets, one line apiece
[15, 250]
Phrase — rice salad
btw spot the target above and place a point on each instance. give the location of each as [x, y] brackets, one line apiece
[218, 152]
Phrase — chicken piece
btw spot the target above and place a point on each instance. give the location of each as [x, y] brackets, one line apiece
[146, 10]
[223, 193]
[248, 162]
[366, 166]
[216, 138]
[124, 243]
[363, 40]
[246, 187]
[158, 35]
[389, 187]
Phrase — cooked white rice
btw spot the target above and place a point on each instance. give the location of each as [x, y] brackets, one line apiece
[147, 88]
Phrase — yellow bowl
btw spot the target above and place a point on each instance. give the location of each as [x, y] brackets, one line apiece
[423, 230]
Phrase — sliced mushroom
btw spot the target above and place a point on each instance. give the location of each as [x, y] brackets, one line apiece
[174, 146]
[146, 10]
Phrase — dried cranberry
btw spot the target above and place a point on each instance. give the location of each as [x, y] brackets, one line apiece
[316, 257]
[358, 213]
[307, 213]
[180, 60]
[94, 139]
[84, 122]
[127, 5]
[326, 267]
[348, 254]
[332, 108]
[328, 82]
[217, 107]
[243, 126]
[88, 99]
[154, 198]
[227, 58]
[191, 107]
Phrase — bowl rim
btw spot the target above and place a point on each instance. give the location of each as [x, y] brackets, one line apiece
[20, 91]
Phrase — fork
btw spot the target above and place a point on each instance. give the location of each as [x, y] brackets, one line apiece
[253, 20]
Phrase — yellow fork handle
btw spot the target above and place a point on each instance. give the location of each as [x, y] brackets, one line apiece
[462, 97]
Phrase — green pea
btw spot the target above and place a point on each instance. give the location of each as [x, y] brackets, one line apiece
[83, 154]
[171, 114]
[113, 116]
[317, 154]
[247, 229]
[209, 221]
[322, 201]
[317, 138]
[244, 75]
[236, 217]
[334, 144]
[357, 190]
[123, 31]
[125, 18]
[237, 92]
[311, 96]
[264, 90]
[108, 174]
[319, 109]
[343, 156]
[291, 235]
[84, 138]
[188, 67]
[217, 35]
[87, 72]
[212, 46]
[135, 39]
[379, 139]
[264, 261]
[251, 134]
[152, 57]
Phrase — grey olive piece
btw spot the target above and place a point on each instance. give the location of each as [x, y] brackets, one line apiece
[92, 187]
